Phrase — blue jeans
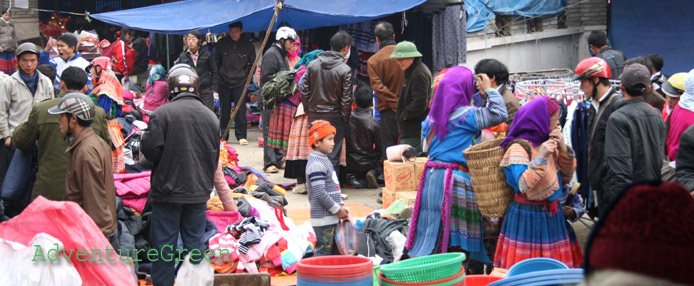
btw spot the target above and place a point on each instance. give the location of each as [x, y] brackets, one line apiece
[168, 220]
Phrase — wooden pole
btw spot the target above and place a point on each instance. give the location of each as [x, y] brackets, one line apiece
[278, 7]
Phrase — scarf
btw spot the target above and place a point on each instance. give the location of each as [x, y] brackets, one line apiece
[108, 84]
[293, 55]
[156, 73]
[531, 122]
[452, 91]
[31, 82]
[308, 58]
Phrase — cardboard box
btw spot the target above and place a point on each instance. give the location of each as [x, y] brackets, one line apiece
[420, 164]
[400, 176]
[388, 197]
[408, 197]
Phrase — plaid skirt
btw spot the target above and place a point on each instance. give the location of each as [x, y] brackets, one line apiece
[281, 125]
[298, 148]
[8, 62]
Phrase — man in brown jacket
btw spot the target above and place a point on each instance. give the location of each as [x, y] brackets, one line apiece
[386, 80]
[89, 180]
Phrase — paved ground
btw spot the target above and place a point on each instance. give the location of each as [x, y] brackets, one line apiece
[252, 155]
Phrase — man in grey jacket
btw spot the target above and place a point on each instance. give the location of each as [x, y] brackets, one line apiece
[597, 42]
[635, 137]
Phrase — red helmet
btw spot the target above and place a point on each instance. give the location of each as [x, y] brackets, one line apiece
[592, 67]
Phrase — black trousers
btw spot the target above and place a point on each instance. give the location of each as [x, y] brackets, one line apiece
[167, 222]
[389, 131]
[271, 156]
[207, 99]
[339, 138]
[227, 96]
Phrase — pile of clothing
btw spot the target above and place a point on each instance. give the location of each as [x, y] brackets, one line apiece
[382, 237]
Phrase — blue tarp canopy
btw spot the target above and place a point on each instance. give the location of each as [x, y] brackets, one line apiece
[215, 15]
[482, 11]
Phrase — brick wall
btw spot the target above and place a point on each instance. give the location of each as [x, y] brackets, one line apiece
[26, 22]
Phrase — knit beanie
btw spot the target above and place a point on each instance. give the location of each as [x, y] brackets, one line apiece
[318, 130]
[649, 230]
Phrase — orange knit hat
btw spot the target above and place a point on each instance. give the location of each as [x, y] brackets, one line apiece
[318, 130]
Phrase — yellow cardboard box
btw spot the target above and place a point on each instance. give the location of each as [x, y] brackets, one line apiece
[408, 197]
[388, 197]
[400, 176]
[419, 166]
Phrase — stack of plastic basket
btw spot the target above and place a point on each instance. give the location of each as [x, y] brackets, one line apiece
[438, 269]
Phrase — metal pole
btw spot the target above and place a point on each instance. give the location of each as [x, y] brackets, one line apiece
[252, 72]
[168, 58]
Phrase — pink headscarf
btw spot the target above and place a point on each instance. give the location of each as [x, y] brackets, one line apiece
[295, 54]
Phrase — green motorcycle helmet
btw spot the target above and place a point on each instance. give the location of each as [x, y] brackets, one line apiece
[405, 50]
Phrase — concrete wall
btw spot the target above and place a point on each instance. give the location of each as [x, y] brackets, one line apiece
[26, 22]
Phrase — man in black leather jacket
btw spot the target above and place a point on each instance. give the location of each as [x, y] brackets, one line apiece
[363, 142]
[326, 91]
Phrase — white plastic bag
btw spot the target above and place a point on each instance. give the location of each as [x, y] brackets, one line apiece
[397, 243]
[195, 275]
[47, 269]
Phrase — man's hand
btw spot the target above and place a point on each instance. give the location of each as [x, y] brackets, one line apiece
[343, 213]
[568, 212]
[50, 44]
[8, 141]
[483, 82]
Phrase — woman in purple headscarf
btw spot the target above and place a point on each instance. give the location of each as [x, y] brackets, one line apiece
[537, 164]
[445, 212]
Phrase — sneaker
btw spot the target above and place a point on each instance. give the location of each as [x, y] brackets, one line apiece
[353, 182]
[344, 197]
[300, 189]
[272, 170]
[243, 142]
[371, 180]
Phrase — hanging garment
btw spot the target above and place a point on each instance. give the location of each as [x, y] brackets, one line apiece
[449, 37]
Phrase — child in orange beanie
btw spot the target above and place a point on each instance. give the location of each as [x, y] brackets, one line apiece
[323, 187]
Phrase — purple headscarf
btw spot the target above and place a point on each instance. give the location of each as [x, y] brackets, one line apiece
[531, 122]
[453, 91]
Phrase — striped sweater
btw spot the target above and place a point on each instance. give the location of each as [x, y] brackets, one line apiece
[323, 190]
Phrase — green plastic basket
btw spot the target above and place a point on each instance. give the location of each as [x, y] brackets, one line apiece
[424, 269]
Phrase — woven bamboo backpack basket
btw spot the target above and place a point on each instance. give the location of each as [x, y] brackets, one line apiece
[488, 179]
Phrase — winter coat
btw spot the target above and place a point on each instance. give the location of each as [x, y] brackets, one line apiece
[386, 78]
[327, 89]
[596, 145]
[365, 133]
[615, 60]
[634, 144]
[52, 159]
[8, 36]
[684, 171]
[274, 60]
[234, 61]
[512, 104]
[16, 101]
[182, 141]
[653, 98]
[123, 58]
[206, 68]
[141, 58]
[413, 106]
[89, 181]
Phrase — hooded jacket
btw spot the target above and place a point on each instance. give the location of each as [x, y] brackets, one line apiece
[234, 61]
[365, 133]
[16, 101]
[182, 141]
[52, 159]
[413, 106]
[327, 89]
[8, 36]
[634, 144]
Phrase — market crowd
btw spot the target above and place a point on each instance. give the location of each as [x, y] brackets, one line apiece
[58, 110]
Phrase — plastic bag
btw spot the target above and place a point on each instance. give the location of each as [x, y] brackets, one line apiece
[195, 274]
[402, 152]
[47, 268]
[346, 237]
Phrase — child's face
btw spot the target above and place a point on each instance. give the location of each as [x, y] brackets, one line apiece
[325, 145]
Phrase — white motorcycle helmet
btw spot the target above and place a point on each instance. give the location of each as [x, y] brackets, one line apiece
[286, 33]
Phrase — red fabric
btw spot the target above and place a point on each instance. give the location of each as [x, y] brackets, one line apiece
[222, 219]
[123, 58]
[133, 189]
[68, 222]
[680, 121]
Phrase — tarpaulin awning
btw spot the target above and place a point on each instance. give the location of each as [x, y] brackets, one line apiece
[215, 15]
[482, 11]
